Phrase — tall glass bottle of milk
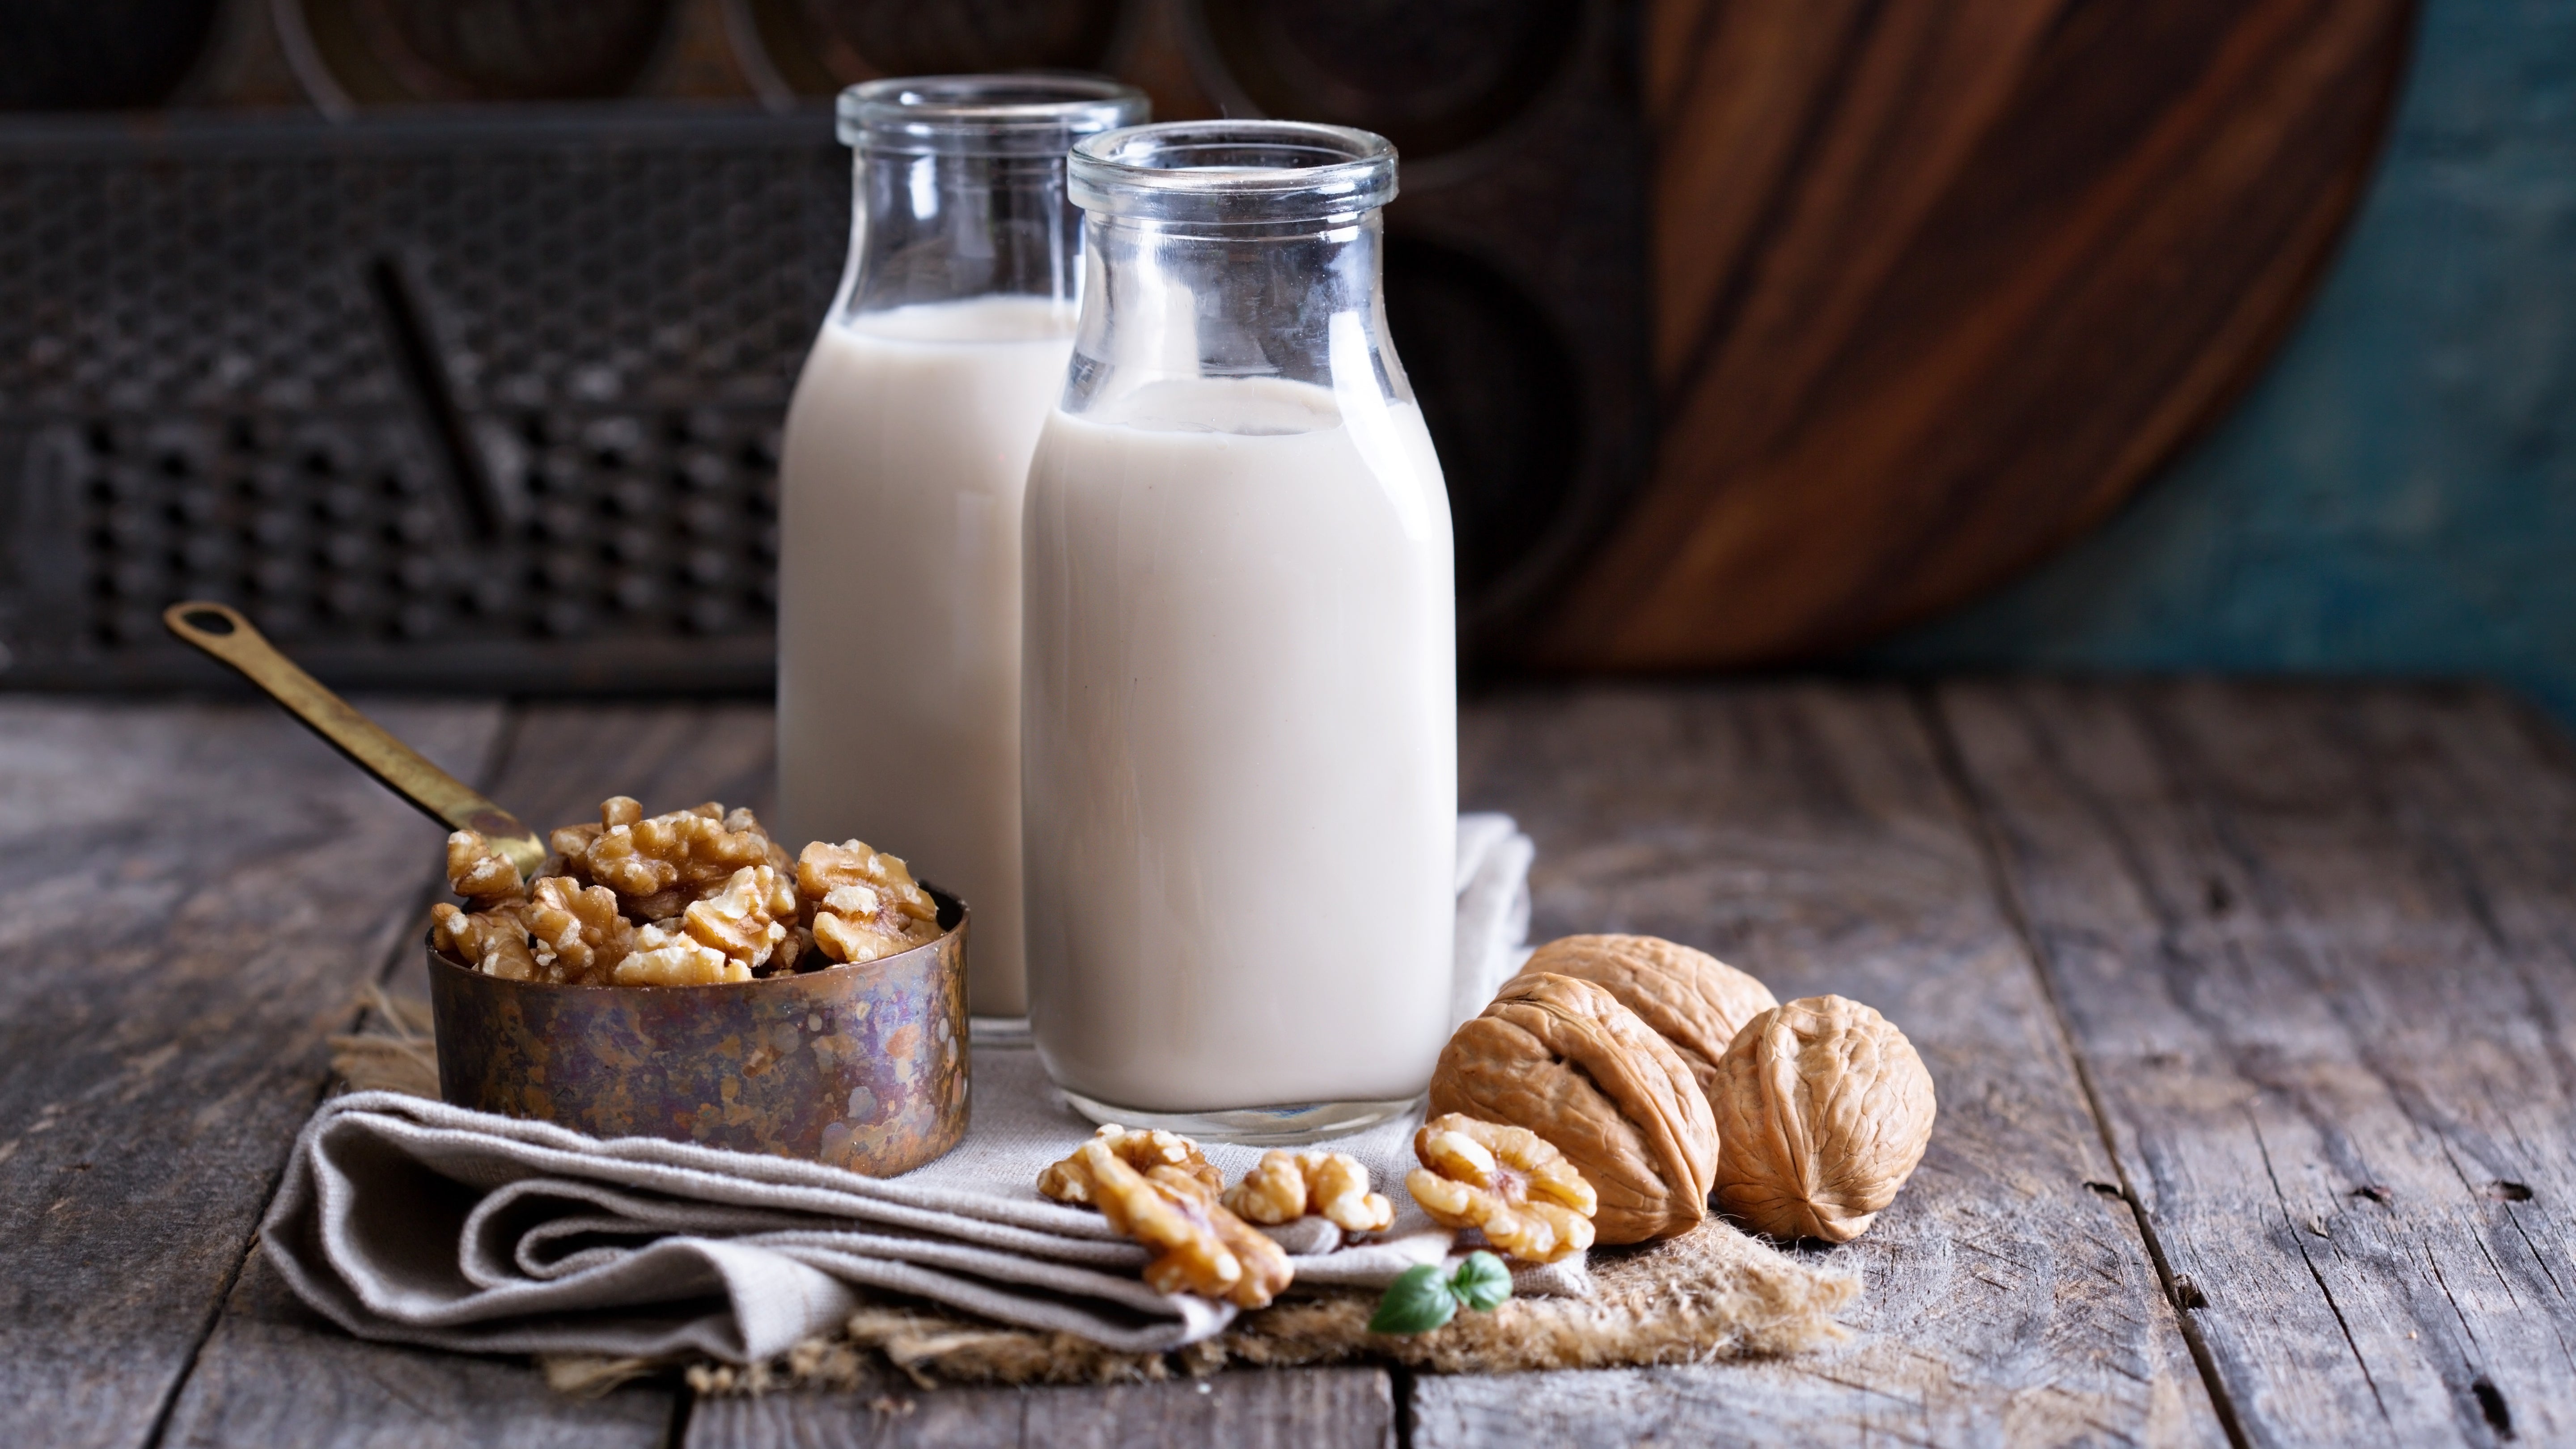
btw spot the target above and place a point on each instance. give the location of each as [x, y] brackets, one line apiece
[1238, 678]
[906, 450]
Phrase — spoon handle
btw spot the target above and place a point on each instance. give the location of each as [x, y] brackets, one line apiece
[222, 632]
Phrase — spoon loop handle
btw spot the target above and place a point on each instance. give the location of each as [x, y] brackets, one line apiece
[222, 632]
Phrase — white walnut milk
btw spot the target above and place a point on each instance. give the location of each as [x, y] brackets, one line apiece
[905, 455]
[1240, 746]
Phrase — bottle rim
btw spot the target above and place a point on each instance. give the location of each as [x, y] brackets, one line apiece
[1232, 171]
[1027, 114]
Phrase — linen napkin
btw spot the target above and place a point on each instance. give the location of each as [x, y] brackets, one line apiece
[409, 1220]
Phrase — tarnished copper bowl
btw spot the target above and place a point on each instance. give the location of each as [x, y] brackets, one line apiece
[862, 1066]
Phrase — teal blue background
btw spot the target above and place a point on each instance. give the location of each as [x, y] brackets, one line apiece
[2397, 494]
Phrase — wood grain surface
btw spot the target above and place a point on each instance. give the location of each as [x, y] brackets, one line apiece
[1260, 1409]
[1938, 285]
[2311, 950]
[2340, 1081]
[1807, 835]
[276, 1373]
[191, 898]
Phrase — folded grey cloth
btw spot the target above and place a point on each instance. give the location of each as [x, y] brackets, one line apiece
[1493, 909]
[413, 1221]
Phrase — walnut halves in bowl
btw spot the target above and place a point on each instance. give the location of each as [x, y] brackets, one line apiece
[1561, 1057]
[695, 897]
[1823, 1110]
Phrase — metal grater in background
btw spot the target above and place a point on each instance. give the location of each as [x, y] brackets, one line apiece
[485, 405]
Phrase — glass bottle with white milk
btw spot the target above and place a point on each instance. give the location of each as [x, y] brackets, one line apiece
[906, 450]
[1238, 680]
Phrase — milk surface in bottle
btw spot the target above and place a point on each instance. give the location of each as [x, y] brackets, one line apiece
[905, 455]
[1244, 748]
[1239, 738]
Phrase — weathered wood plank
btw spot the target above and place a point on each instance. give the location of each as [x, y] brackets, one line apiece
[1297, 1409]
[2315, 951]
[1807, 835]
[190, 898]
[563, 759]
[276, 1373]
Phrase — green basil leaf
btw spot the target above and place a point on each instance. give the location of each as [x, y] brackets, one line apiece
[1482, 1282]
[1418, 1301]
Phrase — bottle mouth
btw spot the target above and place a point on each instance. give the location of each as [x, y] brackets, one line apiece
[984, 115]
[1220, 172]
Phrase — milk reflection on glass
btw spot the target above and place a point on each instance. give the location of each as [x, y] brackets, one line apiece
[1239, 680]
[905, 456]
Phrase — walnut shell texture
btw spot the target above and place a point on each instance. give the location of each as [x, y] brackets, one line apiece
[1564, 1059]
[1822, 1109]
[1694, 1000]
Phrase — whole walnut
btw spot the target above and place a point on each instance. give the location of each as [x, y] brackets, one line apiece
[1564, 1059]
[1823, 1110]
[1697, 1002]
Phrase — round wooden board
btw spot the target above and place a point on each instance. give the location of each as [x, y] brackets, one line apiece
[1939, 285]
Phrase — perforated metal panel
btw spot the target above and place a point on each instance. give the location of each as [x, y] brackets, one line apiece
[488, 404]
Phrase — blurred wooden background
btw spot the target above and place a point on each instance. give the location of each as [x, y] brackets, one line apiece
[1862, 308]
[1938, 285]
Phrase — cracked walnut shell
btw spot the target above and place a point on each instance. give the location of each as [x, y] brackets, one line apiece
[1691, 998]
[1823, 1110]
[1561, 1057]
[1200, 1247]
[1285, 1186]
[1505, 1181]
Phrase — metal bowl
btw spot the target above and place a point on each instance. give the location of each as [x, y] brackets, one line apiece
[860, 1066]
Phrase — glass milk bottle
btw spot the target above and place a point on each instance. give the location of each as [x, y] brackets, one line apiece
[1238, 681]
[906, 450]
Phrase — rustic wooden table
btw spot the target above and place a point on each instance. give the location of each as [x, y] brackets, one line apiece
[2250, 1010]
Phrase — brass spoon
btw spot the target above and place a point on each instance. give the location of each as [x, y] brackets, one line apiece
[221, 631]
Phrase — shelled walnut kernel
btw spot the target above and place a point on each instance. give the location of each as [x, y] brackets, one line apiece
[577, 933]
[1527, 1198]
[670, 958]
[492, 942]
[1285, 1186]
[1200, 1247]
[1068, 1181]
[661, 863]
[479, 873]
[863, 903]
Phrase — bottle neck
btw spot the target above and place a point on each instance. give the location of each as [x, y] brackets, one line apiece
[1297, 301]
[937, 227]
